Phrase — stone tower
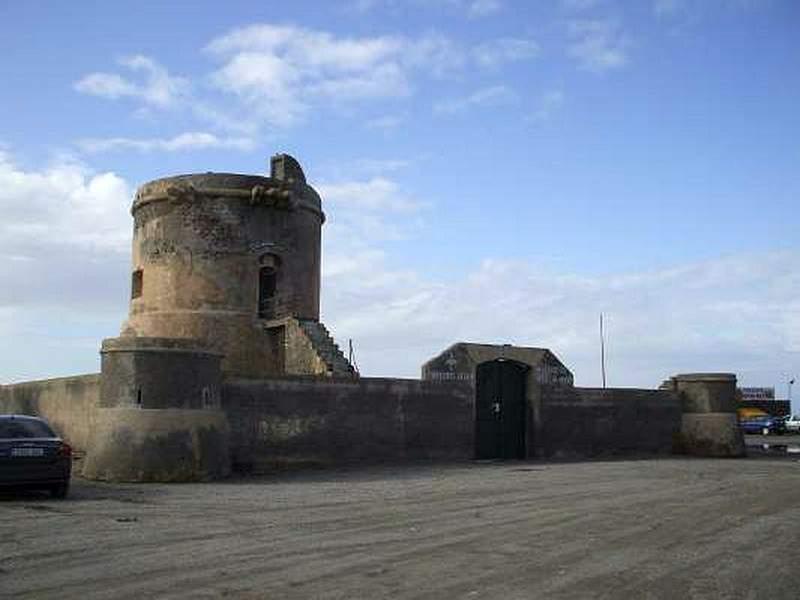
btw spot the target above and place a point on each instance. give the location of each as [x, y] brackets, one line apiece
[225, 283]
[233, 261]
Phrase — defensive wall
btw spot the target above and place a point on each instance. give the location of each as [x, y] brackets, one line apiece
[223, 363]
[267, 422]
[595, 422]
[69, 404]
[300, 420]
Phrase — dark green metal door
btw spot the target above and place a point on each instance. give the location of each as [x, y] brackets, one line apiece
[500, 410]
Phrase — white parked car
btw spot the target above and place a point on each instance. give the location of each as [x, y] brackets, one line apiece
[793, 423]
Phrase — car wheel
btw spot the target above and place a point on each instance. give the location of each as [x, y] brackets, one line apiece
[765, 431]
[60, 490]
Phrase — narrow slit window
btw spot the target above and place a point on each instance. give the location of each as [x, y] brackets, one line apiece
[267, 280]
[136, 283]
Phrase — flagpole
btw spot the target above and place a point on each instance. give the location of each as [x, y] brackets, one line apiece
[602, 352]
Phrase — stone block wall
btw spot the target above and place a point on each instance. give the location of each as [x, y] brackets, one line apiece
[159, 373]
[592, 422]
[171, 444]
[312, 420]
[307, 420]
[69, 404]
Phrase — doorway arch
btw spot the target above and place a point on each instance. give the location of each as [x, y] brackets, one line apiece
[500, 409]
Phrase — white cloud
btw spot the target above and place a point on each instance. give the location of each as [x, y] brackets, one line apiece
[278, 67]
[489, 96]
[63, 204]
[65, 243]
[598, 45]
[231, 118]
[376, 194]
[737, 313]
[387, 80]
[193, 140]
[280, 71]
[790, 326]
[272, 76]
[306, 48]
[107, 85]
[362, 215]
[435, 54]
[503, 50]
[157, 87]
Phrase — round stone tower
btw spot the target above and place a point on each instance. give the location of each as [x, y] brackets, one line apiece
[220, 257]
[225, 283]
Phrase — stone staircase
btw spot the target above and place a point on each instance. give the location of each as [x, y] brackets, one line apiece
[326, 349]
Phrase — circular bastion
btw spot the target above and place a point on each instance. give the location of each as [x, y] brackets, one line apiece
[709, 425]
[160, 416]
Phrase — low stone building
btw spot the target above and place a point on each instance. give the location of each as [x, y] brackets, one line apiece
[223, 363]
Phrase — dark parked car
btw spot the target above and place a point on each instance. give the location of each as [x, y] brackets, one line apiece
[32, 456]
[764, 425]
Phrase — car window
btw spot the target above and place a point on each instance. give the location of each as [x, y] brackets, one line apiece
[24, 428]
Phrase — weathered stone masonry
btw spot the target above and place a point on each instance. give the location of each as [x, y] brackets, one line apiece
[223, 363]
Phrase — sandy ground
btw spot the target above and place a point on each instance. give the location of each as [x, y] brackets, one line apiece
[667, 528]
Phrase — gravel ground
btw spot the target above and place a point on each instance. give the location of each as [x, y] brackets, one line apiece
[666, 528]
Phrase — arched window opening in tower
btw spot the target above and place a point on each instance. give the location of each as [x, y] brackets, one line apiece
[267, 278]
[137, 280]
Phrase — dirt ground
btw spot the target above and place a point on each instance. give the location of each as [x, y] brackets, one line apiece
[667, 528]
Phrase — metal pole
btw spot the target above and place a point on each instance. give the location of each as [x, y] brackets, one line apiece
[352, 355]
[602, 352]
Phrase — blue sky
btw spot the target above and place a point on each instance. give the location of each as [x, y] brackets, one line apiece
[492, 170]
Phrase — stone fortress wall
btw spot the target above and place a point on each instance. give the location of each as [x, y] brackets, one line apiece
[322, 421]
[68, 403]
[223, 363]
